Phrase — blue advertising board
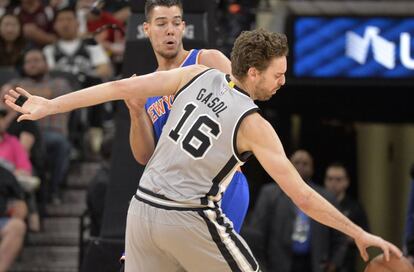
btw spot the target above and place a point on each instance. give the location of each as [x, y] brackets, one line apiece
[352, 47]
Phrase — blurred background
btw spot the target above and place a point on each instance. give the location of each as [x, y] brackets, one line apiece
[347, 103]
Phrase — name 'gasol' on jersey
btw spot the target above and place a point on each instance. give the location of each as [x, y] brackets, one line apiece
[215, 104]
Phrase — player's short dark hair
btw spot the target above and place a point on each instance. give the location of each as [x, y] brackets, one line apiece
[151, 4]
[256, 48]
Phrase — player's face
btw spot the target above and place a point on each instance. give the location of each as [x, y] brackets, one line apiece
[336, 180]
[165, 30]
[271, 79]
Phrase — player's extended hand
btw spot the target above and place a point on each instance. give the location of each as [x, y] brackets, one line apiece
[366, 240]
[34, 108]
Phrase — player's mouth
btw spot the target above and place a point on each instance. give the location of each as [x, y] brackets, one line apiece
[170, 44]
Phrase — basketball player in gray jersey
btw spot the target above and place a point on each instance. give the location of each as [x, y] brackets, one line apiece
[174, 222]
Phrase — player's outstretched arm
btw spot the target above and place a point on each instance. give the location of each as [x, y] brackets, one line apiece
[257, 135]
[154, 84]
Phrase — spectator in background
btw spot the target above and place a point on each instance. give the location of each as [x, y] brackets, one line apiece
[235, 16]
[86, 60]
[4, 6]
[75, 55]
[120, 9]
[60, 4]
[12, 215]
[12, 42]
[96, 193]
[28, 134]
[288, 240]
[337, 182]
[37, 22]
[55, 129]
[409, 223]
[102, 25]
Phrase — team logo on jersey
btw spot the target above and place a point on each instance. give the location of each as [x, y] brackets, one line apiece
[224, 88]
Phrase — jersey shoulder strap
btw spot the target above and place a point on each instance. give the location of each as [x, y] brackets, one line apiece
[192, 58]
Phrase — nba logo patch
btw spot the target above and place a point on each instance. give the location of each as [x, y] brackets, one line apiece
[224, 89]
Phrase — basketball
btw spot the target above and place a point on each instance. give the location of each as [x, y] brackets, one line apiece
[379, 264]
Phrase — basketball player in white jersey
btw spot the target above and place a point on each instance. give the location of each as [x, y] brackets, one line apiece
[174, 222]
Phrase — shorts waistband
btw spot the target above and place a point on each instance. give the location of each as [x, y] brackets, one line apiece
[163, 202]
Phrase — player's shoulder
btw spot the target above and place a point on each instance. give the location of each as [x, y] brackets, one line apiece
[209, 53]
[210, 56]
[193, 71]
[254, 126]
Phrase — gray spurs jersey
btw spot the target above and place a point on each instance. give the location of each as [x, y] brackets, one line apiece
[195, 157]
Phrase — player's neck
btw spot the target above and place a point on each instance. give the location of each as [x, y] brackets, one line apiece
[165, 64]
[242, 85]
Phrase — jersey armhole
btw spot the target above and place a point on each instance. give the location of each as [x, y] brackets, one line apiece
[242, 158]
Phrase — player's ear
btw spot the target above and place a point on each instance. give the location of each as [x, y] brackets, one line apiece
[145, 26]
[252, 72]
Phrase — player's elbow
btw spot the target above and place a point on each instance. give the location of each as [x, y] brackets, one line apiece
[143, 160]
[121, 89]
[303, 200]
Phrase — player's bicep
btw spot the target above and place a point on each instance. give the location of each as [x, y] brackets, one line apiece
[262, 140]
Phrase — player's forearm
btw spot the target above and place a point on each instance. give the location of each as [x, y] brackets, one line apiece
[307, 199]
[141, 137]
[317, 207]
[109, 91]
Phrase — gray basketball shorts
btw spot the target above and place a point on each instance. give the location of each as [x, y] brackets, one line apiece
[162, 239]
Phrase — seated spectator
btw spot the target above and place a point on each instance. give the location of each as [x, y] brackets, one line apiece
[73, 54]
[12, 42]
[15, 159]
[29, 136]
[88, 62]
[337, 182]
[12, 215]
[55, 129]
[108, 31]
[37, 22]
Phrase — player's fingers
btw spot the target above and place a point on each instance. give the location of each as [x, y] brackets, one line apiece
[395, 251]
[13, 93]
[24, 117]
[386, 251]
[10, 98]
[23, 92]
[364, 253]
[9, 102]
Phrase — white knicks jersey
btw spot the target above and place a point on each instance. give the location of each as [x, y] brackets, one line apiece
[196, 155]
